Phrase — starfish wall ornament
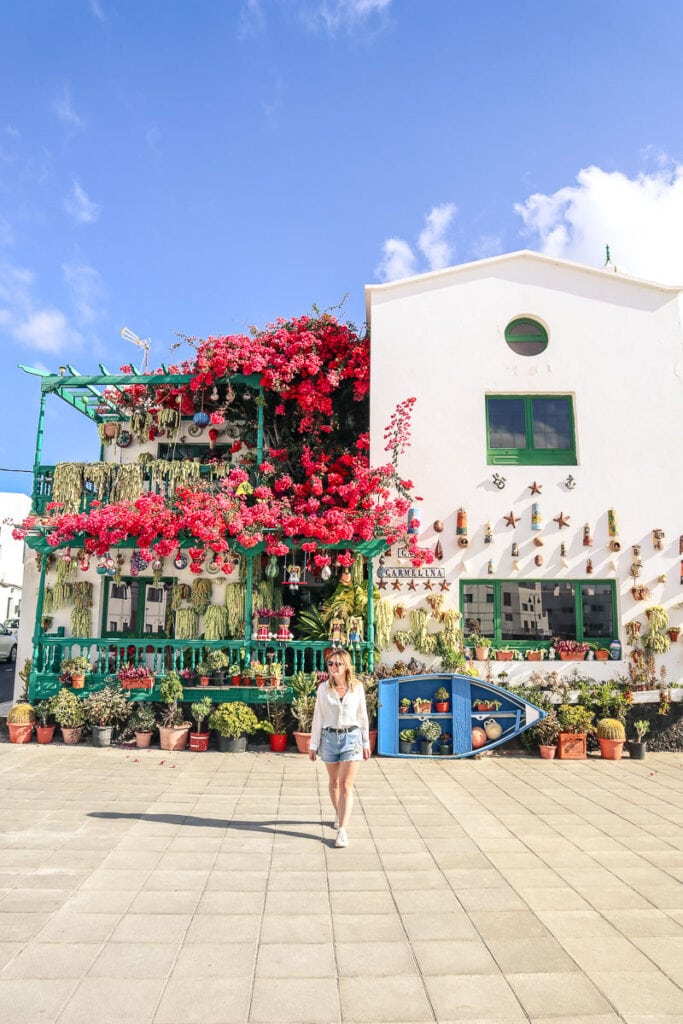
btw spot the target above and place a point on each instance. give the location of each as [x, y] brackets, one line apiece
[396, 585]
[511, 520]
[428, 584]
[444, 585]
[382, 585]
[412, 585]
[562, 520]
[535, 488]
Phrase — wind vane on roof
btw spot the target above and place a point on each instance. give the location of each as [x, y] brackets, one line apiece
[608, 265]
[145, 344]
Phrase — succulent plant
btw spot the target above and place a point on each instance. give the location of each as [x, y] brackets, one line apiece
[21, 714]
[610, 729]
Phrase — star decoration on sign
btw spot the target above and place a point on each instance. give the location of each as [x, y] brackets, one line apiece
[562, 520]
[428, 584]
[511, 520]
[382, 585]
[445, 586]
[412, 585]
[535, 488]
[396, 585]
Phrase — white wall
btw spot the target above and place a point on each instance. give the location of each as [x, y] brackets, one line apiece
[614, 344]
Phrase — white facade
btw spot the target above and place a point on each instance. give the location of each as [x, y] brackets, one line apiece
[13, 509]
[616, 347]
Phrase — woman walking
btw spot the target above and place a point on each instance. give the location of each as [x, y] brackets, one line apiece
[340, 732]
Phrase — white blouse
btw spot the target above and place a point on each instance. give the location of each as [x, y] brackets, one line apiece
[332, 713]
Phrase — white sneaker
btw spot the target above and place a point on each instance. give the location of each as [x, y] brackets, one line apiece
[342, 838]
[335, 826]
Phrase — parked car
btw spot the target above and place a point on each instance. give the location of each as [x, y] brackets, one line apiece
[8, 644]
[12, 625]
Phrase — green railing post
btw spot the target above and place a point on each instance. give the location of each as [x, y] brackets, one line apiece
[371, 617]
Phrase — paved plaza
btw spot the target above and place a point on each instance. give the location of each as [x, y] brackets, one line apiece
[141, 886]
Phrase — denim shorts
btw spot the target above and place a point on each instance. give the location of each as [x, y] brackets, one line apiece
[341, 746]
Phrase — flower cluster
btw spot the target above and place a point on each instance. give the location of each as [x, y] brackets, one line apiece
[570, 646]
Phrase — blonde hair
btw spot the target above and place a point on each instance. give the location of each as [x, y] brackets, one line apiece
[345, 659]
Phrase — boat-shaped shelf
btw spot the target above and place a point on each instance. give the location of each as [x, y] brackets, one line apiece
[480, 716]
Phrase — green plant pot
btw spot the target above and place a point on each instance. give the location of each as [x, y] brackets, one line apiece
[228, 745]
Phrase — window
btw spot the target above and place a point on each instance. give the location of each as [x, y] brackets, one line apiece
[530, 430]
[570, 609]
[135, 608]
[526, 337]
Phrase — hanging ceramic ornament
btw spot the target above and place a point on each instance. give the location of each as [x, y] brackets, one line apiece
[272, 570]
[438, 551]
[101, 568]
[515, 565]
[84, 564]
[587, 539]
[613, 530]
[488, 534]
[180, 561]
[538, 560]
[439, 528]
[325, 573]
[490, 570]
[413, 521]
[515, 550]
[536, 523]
[589, 566]
[493, 729]
[538, 541]
[461, 528]
[658, 540]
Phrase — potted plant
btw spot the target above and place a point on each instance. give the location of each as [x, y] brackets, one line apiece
[638, 746]
[575, 722]
[428, 732]
[602, 654]
[303, 705]
[445, 744]
[422, 706]
[611, 737]
[484, 704]
[406, 739]
[545, 734]
[259, 671]
[219, 661]
[674, 633]
[481, 645]
[404, 706]
[284, 616]
[535, 653]
[505, 653]
[142, 723]
[105, 709]
[69, 714]
[201, 710]
[135, 677]
[20, 722]
[45, 726]
[233, 723]
[235, 673]
[203, 671]
[275, 674]
[173, 729]
[76, 669]
[441, 700]
[277, 716]
[570, 650]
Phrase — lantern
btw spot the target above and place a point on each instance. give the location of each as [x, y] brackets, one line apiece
[213, 437]
[587, 539]
[488, 534]
[461, 528]
[536, 523]
[413, 521]
[201, 419]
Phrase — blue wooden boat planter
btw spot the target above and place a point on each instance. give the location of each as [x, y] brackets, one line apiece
[480, 716]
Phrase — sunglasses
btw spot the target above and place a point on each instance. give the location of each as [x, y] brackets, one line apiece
[330, 663]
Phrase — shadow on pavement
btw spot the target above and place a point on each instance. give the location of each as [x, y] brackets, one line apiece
[259, 827]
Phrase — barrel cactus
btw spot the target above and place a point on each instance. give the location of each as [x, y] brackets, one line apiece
[21, 714]
[611, 729]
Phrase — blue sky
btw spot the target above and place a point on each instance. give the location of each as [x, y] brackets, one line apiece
[200, 167]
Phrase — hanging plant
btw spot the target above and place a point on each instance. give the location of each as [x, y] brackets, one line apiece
[49, 601]
[82, 594]
[658, 617]
[100, 475]
[656, 642]
[186, 624]
[182, 592]
[384, 614]
[61, 595]
[201, 595]
[168, 420]
[66, 570]
[450, 632]
[215, 622]
[81, 622]
[402, 638]
[399, 609]
[435, 601]
[127, 484]
[67, 486]
[235, 602]
[357, 570]
[140, 424]
[418, 629]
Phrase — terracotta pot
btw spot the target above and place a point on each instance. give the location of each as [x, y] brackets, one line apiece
[481, 653]
[422, 707]
[173, 737]
[674, 633]
[110, 429]
[602, 655]
[146, 683]
[484, 705]
[199, 741]
[44, 733]
[78, 681]
[72, 736]
[441, 706]
[611, 750]
[572, 655]
[143, 740]
[278, 742]
[303, 742]
[504, 655]
[478, 738]
[404, 711]
[260, 681]
[204, 681]
[20, 732]
[372, 736]
[571, 746]
[548, 751]
[236, 680]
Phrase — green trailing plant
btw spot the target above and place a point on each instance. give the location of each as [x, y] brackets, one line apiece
[201, 709]
[21, 714]
[656, 642]
[108, 706]
[234, 719]
[642, 728]
[610, 729]
[127, 484]
[402, 638]
[418, 629]
[407, 735]
[25, 676]
[68, 709]
[181, 594]
[186, 624]
[658, 617]
[81, 622]
[67, 485]
[201, 595]
[235, 603]
[384, 615]
[215, 622]
[451, 634]
[429, 730]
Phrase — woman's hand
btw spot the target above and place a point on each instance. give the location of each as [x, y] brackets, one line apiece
[366, 753]
[313, 755]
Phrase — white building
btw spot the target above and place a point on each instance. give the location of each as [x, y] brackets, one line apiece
[547, 391]
[13, 509]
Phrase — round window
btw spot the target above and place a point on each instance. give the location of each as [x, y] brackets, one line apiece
[526, 337]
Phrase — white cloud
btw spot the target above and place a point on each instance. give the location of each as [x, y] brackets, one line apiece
[26, 320]
[64, 110]
[637, 217]
[432, 242]
[97, 10]
[399, 258]
[79, 205]
[87, 290]
[345, 15]
[47, 330]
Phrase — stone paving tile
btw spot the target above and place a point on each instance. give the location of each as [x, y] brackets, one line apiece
[296, 928]
[133, 960]
[300, 960]
[362, 928]
[214, 1001]
[545, 994]
[462, 997]
[231, 928]
[455, 956]
[395, 999]
[52, 960]
[111, 1002]
[152, 928]
[528, 955]
[375, 959]
[294, 1001]
[215, 960]
[40, 1001]
[640, 993]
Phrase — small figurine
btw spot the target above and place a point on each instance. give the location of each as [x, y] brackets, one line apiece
[354, 630]
[336, 632]
[293, 577]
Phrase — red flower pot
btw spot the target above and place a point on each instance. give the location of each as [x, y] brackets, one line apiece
[441, 706]
[278, 742]
[199, 740]
[236, 680]
[44, 733]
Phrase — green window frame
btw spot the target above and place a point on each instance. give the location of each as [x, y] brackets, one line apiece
[136, 629]
[526, 337]
[584, 610]
[530, 430]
